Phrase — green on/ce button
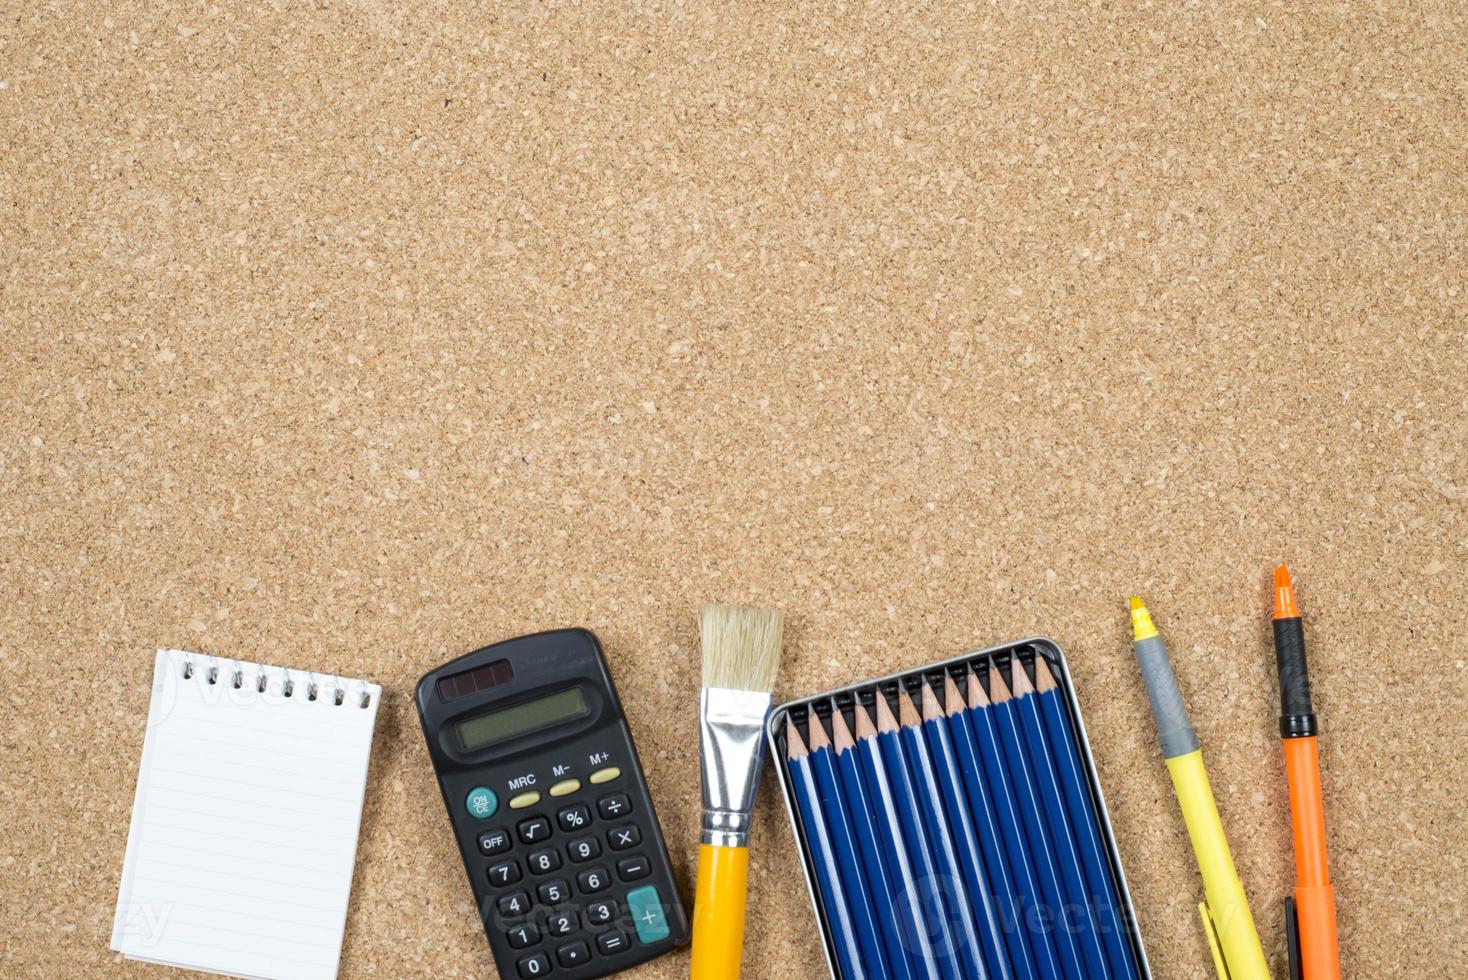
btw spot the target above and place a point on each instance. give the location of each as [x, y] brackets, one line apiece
[481, 802]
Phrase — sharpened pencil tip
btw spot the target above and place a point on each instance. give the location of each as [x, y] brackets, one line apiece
[1044, 679]
[886, 721]
[840, 734]
[1022, 685]
[864, 726]
[931, 708]
[818, 739]
[794, 745]
[977, 696]
[998, 690]
[907, 712]
[952, 700]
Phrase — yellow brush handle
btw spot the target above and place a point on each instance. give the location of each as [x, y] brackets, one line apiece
[718, 912]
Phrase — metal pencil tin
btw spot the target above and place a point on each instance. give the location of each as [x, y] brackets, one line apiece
[1001, 656]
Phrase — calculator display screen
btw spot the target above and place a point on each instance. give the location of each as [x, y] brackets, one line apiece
[496, 726]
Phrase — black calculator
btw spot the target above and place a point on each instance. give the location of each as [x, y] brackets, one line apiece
[550, 808]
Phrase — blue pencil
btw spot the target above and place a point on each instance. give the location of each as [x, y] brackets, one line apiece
[1001, 707]
[823, 856]
[853, 881]
[912, 918]
[882, 879]
[1105, 901]
[965, 840]
[986, 740]
[981, 815]
[978, 957]
[949, 951]
[1079, 920]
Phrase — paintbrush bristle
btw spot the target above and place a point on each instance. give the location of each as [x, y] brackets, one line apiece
[741, 647]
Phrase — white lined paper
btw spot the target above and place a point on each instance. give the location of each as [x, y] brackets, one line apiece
[244, 826]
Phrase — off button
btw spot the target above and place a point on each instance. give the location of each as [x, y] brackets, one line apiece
[481, 802]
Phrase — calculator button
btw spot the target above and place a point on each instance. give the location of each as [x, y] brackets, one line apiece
[523, 935]
[561, 924]
[600, 913]
[523, 800]
[481, 802]
[584, 849]
[543, 862]
[630, 869]
[534, 966]
[514, 905]
[594, 880]
[605, 775]
[504, 874]
[613, 941]
[495, 841]
[565, 787]
[554, 892]
[622, 838]
[614, 806]
[646, 910]
[534, 830]
[573, 954]
[573, 818]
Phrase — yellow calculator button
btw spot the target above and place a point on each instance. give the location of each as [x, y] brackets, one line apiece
[524, 800]
[565, 786]
[603, 775]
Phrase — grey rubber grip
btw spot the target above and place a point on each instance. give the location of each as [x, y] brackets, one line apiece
[1174, 730]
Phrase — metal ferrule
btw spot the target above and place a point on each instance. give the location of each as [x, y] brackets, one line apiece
[731, 741]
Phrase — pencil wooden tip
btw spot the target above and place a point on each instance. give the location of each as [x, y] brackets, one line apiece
[840, 734]
[931, 708]
[998, 690]
[1044, 680]
[907, 712]
[1022, 685]
[952, 700]
[886, 722]
[977, 696]
[864, 726]
[794, 745]
[818, 739]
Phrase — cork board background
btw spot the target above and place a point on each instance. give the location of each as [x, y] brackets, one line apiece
[352, 335]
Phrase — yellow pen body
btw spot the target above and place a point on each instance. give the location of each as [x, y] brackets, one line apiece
[1228, 908]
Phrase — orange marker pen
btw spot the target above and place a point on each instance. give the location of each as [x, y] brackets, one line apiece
[1310, 916]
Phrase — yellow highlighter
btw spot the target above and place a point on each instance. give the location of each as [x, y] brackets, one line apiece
[1227, 923]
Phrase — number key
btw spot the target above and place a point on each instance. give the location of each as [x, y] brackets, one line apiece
[554, 892]
[534, 830]
[542, 862]
[594, 880]
[534, 966]
[600, 913]
[614, 805]
[561, 924]
[584, 849]
[506, 873]
[573, 818]
[523, 935]
[514, 905]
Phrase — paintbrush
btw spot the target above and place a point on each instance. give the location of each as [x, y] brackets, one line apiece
[741, 655]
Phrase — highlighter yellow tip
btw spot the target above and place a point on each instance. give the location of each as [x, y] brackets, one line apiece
[1142, 626]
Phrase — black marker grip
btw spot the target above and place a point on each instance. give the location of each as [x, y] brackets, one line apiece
[1296, 715]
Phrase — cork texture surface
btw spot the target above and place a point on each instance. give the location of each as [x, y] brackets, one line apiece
[353, 335]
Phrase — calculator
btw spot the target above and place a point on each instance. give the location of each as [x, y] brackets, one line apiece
[550, 809]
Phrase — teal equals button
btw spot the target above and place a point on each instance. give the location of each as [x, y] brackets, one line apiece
[645, 907]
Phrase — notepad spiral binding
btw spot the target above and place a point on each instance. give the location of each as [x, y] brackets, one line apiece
[337, 685]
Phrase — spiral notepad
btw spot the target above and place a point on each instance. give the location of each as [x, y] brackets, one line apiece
[244, 826]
